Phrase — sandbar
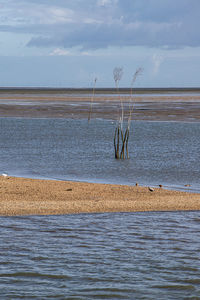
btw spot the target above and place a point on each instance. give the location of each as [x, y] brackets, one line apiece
[23, 196]
[167, 107]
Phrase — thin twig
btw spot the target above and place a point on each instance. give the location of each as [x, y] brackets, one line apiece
[92, 99]
[136, 74]
[117, 75]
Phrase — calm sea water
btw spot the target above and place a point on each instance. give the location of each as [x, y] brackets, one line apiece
[161, 152]
[102, 256]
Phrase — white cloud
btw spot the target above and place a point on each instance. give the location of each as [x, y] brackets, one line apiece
[104, 3]
[60, 52]
[18, 13]
[54, 15]
[72, 52]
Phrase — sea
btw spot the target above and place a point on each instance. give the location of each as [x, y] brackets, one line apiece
[164, 153]
[150, 255]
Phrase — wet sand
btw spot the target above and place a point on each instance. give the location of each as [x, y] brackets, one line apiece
[167, 107]
[21, 196]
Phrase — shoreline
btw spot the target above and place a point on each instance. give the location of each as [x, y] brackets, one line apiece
[24, 196]
[146, 107]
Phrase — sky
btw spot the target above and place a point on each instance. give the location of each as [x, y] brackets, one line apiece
[69, 43]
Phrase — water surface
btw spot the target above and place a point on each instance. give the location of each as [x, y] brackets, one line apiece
[102, 256]
[160, 152]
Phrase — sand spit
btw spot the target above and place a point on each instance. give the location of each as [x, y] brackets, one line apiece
[21, 196]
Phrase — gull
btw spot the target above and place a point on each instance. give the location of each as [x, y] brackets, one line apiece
[151, 189]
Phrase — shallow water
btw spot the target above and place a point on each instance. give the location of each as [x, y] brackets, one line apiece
[160, 152]
[102, 256]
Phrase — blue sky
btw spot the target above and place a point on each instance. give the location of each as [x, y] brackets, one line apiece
[67, 43]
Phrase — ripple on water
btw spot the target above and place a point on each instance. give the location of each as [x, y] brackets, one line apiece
[164, 153]
[101, 256]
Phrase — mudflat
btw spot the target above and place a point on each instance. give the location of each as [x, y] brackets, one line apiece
[164, 107]
[22, 196]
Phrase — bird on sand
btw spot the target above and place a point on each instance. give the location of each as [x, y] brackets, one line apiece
[151, 189]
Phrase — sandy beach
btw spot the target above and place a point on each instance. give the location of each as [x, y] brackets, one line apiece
[20, 196]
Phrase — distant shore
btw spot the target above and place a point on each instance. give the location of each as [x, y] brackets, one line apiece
[149, 105]
[21, 196]
[125, 90]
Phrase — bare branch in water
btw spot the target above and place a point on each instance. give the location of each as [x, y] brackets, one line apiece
[117, 75]
[136, 74]
[121, 136]
[92, 99]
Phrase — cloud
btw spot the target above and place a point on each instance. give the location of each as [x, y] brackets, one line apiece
[105, 3]
[94, 24]
[60, 52]
[71, 52]
[119, 34]
[23, 13]
[157, 60]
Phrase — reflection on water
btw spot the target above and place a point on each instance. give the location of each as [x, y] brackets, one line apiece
[161, 152]
[102, 256]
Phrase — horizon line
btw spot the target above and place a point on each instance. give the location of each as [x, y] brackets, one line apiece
[99, 89]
